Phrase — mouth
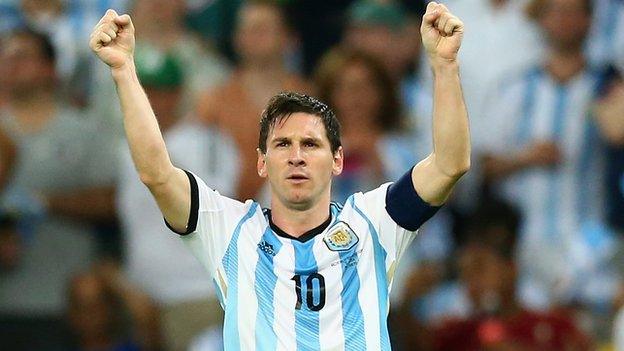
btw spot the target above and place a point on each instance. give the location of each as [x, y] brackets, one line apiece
[297, 178]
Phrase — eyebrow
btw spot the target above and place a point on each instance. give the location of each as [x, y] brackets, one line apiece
[312, 139]
[279, 140]
[303, 140]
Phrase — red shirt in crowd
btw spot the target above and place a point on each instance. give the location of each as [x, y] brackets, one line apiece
[524, 331]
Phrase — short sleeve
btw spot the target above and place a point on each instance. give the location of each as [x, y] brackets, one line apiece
[211, 223]
[397, 211]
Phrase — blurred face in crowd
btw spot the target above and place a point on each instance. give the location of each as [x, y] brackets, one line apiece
[42, 14]
[356, 94]
[392, 47]
[565, 23]
[24, 66]
[299, 163]
[376, 40]
[90, 308]
[488, 277]
[158, 12]
[261, 34]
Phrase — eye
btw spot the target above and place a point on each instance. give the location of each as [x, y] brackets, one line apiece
[282, 144]
[310, 144]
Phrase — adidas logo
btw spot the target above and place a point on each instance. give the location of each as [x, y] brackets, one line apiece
[267, 248]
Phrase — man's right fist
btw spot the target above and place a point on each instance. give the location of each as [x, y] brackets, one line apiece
[112, 39]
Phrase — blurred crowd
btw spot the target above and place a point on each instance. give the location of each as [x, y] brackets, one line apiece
[527, 255]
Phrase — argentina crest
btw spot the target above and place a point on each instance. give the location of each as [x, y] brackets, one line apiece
[340, 237]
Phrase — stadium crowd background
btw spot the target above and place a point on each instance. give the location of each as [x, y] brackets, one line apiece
[527, 255]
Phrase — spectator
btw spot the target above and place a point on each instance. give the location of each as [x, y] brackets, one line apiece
[99, 302]
[512, 47]
[163, 28]
[164, 31]
[387, 32]
[164, 269]
[377, 28]
[261, 42]
[549, 159]
[319, 24]
[365, 100]
[215, 21]
[488, 274]
[59, 179]
[68, 24]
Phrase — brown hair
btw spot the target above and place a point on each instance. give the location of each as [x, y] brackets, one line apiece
[335, 62]
[282, 105]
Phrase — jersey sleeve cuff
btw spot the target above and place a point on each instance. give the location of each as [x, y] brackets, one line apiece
[191, 226]
[405, 206]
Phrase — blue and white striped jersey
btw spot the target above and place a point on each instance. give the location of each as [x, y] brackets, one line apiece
[556, 201]
[327, 290]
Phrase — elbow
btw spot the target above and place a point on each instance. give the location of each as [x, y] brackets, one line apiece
[149, 180]
[153, 180]
[458, 169]
[461, 169]
[454, 168]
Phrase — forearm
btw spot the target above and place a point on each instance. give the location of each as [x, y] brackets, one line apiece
[142, 132]
[451, 132]
[497, 167]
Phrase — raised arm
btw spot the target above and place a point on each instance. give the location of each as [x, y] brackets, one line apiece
[435, 176]
[113, 42]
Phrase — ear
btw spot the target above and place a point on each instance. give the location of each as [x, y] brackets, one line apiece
[261, 165]
[338, 161]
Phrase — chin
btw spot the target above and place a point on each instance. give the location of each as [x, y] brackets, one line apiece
[299, 200]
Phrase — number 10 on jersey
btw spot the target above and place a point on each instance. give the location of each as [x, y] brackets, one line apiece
[315, 291]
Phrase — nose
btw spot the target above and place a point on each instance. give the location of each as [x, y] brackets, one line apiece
[295, 157]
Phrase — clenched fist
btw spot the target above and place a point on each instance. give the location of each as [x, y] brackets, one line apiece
[441, 33]
[112, 39]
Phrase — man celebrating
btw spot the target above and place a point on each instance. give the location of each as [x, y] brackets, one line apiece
[307, 274]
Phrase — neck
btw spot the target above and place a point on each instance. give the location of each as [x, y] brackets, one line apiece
[565, 64]
[297, 222]
[34, 110]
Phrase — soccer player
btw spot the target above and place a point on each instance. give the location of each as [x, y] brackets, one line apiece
[306, 274]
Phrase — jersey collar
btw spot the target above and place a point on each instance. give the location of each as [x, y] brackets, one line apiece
[303, 238]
